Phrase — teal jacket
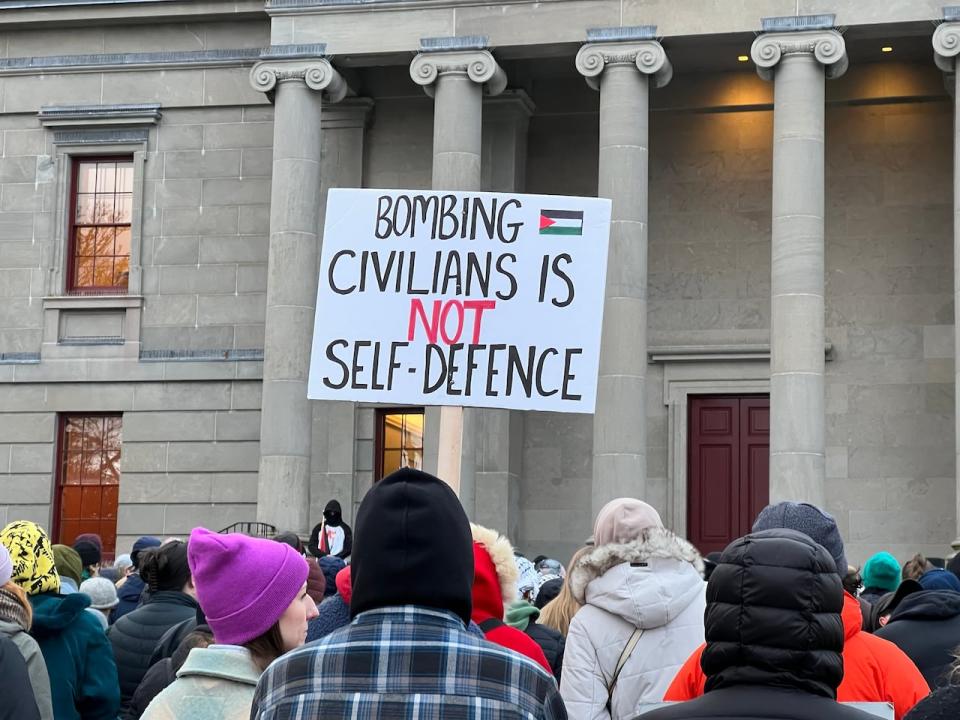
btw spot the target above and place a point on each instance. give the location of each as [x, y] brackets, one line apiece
[79, 659]
[215, 683]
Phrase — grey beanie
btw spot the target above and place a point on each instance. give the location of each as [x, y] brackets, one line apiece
[813, 522]
[102, 593]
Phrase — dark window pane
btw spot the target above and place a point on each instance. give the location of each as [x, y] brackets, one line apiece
[85, 242]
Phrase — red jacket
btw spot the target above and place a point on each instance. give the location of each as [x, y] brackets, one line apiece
[488, 603]
[874, 670]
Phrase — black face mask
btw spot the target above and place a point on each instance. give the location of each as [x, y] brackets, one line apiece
[332, 514]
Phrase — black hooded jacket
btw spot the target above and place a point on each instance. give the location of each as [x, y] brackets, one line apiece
[332, 516]
[926, 626]
[774, 634]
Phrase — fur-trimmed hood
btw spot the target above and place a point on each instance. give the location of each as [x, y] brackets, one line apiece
[647, 582]
[495, 574]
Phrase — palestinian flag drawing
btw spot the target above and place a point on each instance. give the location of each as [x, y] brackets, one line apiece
[561, 222]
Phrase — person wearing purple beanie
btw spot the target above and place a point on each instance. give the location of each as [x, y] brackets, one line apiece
[253, 622]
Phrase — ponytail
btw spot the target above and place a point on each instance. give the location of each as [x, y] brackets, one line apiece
[165, 567]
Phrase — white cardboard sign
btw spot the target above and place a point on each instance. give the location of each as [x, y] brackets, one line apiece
[457, 298]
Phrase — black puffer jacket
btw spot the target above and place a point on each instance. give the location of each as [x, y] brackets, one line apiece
[135, 636]
[926, 626]
[944, 704]
[774, 634]
[18, 701]
[551, 642]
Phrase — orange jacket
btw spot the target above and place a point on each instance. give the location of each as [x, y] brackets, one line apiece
[874, 669]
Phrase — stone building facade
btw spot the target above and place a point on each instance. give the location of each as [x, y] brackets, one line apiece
[781, 177]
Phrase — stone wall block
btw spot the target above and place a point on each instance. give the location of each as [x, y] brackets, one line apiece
[206, 279]
[160, 488]
[25, 489]
[156, 426]
[238, 425]
[25, 427]
[215, 457]
[793, 399]
[205, 165]
[144, 457]
[789, 478]
[229, 309]
[183, 396]
[799, 348]
[237, 135]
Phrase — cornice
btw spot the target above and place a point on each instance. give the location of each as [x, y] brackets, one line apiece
[648, 56]
[479, 65]
[112, 62]
[946, 45]
[827, 46]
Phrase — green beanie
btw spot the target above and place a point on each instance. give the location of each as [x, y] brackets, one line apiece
[519, 614]
[882, 571]
[68, 562]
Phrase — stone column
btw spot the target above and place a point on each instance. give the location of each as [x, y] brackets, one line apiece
[456, 76]
[332, 469]
[946, 47]
[622, 71]
[798, 63]
[298, 77]
[506, 120]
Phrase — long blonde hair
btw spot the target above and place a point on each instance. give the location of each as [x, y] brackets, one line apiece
[560, 611]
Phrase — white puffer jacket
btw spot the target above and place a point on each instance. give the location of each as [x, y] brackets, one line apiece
[652, 583]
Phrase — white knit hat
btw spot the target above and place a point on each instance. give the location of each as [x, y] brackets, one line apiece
[6, 566]
[102, 593]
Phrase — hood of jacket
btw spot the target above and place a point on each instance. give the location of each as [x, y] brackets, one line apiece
[648, 582]
[928, 605]
[773, 616]
[53, 613]
[226, 662]
[333, 514]
[494, 574]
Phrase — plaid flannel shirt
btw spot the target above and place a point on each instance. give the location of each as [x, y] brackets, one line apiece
[406, 663]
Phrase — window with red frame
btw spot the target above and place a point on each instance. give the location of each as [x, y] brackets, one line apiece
[102, 208]
[89, 478]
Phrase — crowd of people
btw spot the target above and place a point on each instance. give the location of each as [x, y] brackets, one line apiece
[417, 613]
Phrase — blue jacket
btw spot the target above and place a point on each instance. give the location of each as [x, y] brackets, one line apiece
[129, 595]
[79, 660]
[334, 614]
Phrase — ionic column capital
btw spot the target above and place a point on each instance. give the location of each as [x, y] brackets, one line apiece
[946, 46]
[479, 65]
[827, 46]
[648, 56]
[315, 72]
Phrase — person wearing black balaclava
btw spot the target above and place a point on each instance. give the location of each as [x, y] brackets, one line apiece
[332, 536]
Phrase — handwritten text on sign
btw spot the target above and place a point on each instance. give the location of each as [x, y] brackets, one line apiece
[475, 299]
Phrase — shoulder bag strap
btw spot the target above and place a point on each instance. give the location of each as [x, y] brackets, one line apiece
[624, 657]
[490, 624]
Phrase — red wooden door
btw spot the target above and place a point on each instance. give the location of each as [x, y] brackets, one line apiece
[89, 479]
[728, 468]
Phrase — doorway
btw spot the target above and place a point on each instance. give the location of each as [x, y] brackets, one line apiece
[728, 467]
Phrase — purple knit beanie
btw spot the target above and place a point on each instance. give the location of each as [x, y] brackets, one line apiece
[243, 584]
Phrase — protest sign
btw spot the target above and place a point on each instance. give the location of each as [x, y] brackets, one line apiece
[460, 298]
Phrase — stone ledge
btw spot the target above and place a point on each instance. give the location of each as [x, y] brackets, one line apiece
[95, 115]
[715, 353]
[180, 59]
[92, 302]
